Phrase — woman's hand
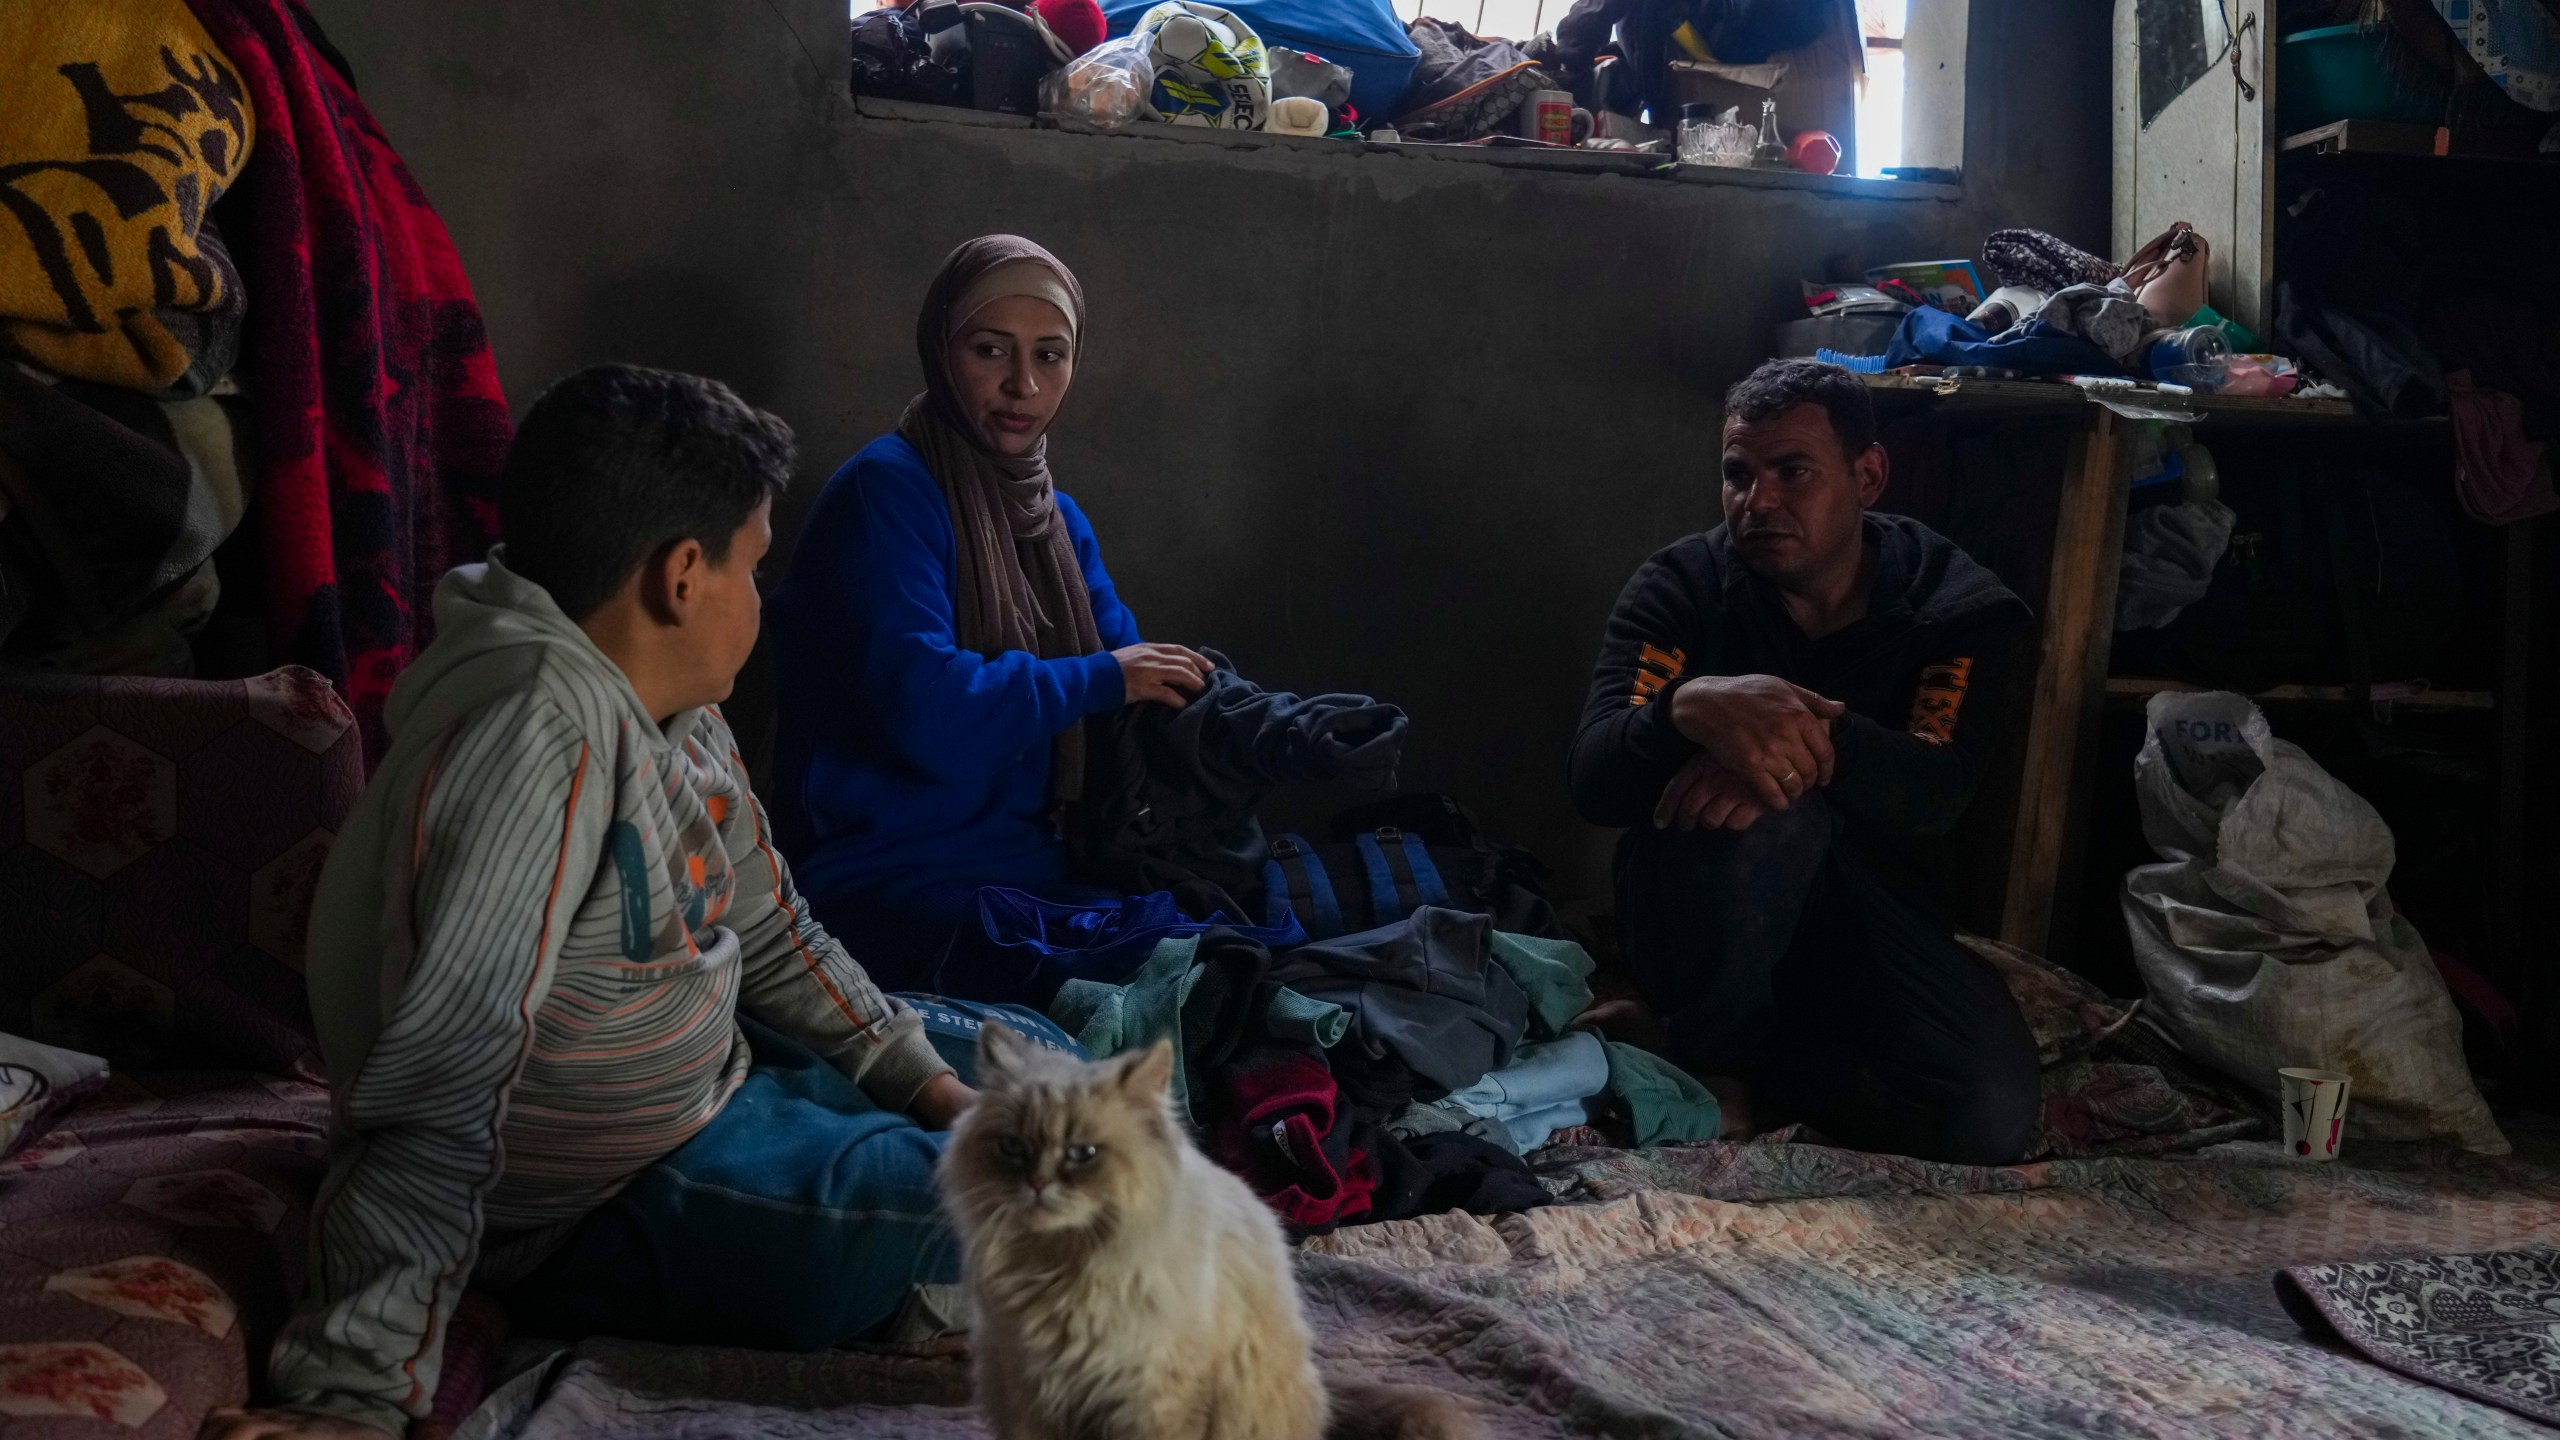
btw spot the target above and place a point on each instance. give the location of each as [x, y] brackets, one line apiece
[1167, 675]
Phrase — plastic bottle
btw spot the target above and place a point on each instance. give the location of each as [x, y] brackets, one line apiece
[2199, 355]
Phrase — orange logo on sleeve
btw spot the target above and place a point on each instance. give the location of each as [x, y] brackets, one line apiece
[1656, 668]
[1941, 697]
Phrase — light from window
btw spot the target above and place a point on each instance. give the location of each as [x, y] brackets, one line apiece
[1514, 20]
[1884, 23]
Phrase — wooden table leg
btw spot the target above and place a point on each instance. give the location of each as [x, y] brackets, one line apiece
[2071, 679]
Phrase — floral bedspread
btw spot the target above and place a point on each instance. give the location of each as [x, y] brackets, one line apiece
[1773, 1290]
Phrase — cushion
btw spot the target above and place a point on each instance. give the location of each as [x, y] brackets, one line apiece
[159, 844]
[38, 1083]
[149, 1248]
[152, 1244]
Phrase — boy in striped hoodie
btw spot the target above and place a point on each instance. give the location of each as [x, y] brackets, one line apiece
[588, 1046]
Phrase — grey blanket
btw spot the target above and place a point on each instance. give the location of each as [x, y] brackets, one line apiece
[1851, 1296]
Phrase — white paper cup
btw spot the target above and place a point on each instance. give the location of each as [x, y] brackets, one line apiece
[2315, 1111]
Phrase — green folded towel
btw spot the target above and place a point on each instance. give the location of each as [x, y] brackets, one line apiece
[1666, 1103]
[1554, 974]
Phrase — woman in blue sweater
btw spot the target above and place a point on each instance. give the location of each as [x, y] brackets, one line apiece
[946, 626]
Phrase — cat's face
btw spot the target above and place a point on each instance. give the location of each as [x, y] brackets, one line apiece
[1054, 1145]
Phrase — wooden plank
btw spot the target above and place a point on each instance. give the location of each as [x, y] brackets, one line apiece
[2143, 687]
[2275, 407]
[2383, 137]
[2070, 683]
[2246, 290]
[2057, 397]
[2376, 137]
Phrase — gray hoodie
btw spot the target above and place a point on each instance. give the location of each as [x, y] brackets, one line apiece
[527, 955]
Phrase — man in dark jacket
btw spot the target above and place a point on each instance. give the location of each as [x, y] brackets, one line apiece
[1787, 709]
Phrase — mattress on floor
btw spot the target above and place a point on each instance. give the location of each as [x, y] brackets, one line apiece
[1775, 1289]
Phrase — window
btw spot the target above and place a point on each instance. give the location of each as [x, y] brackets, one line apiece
[1508, 19]
[1880, 102]
[1928, 70]
[1909, 106]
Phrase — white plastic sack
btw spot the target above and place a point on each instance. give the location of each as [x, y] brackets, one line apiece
[2268, 939]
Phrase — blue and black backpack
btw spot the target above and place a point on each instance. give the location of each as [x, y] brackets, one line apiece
[1387, 860]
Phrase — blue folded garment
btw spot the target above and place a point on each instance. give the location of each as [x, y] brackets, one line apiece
[1530, 1131]
[1541, 1090]
[1018, 948]
[1935, 337]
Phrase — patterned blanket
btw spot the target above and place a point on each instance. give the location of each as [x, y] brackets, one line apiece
[2487, 1326]
[1778, 1290]
[380, 426]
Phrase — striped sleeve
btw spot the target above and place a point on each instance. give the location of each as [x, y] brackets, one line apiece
[796, 977]
[509, 827]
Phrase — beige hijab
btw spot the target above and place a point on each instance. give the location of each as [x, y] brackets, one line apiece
[1019, 586]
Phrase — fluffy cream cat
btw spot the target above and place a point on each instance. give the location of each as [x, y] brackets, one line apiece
[1126, 1287]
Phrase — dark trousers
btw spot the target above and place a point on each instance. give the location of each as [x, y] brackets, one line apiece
[1779, 955]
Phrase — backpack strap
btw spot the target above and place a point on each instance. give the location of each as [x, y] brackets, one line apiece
[1386, 897]
[1294, 881]
[1428, 887]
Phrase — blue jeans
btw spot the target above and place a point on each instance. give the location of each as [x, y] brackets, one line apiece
[800, 1218]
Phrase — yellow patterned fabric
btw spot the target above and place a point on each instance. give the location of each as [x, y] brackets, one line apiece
[125, 123]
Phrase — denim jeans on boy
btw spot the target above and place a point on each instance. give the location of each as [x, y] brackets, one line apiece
[803, 1216]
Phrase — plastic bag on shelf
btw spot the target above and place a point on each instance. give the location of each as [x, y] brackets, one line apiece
[1295, 72]
[1105, 87]
[894, 60]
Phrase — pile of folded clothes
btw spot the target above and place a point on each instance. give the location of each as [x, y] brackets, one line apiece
[1395, 1072]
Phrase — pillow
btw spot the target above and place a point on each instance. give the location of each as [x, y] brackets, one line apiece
[159, 844]
[37, 1084]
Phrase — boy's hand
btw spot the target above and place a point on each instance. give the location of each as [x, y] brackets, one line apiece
[232, 1423]
[937, 1104]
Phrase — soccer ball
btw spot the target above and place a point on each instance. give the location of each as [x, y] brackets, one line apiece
[1210, 66]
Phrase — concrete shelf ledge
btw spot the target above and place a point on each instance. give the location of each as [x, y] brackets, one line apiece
[1594, 162]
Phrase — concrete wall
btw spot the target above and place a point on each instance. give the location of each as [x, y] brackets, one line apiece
[1364, 422]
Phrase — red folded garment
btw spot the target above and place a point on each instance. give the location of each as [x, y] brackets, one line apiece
[1283, 1134]
[379, 422]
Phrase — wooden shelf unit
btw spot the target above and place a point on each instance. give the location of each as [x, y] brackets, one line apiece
[2072, 688]
[2415, 697]
[2434, 142]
